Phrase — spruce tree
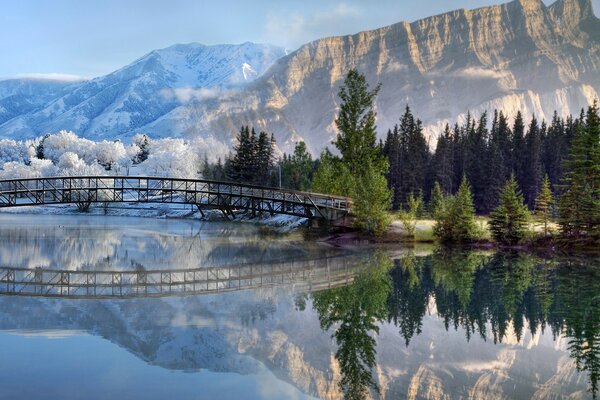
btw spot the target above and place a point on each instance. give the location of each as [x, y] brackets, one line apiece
[436, 199]
[455, 217]
[543, 205]
[509, 222]
[361, 167]
[442, 161]
[464, 210]
[579, 206]
[357, 137]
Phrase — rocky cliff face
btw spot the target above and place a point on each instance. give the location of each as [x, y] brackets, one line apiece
[520, 55]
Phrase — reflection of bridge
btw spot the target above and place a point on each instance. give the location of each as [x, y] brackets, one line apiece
[226, 197]
[308, 275]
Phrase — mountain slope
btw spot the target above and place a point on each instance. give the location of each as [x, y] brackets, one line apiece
[125, 100]
[520, 55]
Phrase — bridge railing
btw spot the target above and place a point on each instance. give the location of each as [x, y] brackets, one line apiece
[142, 188]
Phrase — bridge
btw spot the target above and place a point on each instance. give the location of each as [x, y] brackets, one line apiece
[308, 275]
[226, 197]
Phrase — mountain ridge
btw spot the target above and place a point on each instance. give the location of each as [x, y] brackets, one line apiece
[521, 55]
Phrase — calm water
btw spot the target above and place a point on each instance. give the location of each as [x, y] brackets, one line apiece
[378, 324]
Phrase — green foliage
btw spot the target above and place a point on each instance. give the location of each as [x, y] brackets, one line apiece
[543, 205]
[509, 222]
[253, 160]
[407, 153]
[455, 217]
[297, 169]
[357, 136]
[579, 206]
[356, 310]
[359, 171]
[436, 200]
[409, 216]
[333, 177]
[372, 202]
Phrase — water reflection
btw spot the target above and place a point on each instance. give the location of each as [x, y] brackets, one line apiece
[449, 324]
[497, 297]
[101, 243]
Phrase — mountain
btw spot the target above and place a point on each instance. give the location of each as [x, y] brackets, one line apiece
[19, 96]
[520, 55]
[121, 103]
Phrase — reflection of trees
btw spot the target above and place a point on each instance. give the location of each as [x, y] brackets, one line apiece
[355, 310]
[482, 294]
[409, 296]
[578, 307]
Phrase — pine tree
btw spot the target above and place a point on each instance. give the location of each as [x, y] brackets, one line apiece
[465, 229]
[510, 220]
[442, 161]
[361, 166]
[579, 206]
[297, 168]
[357, 138]
[436, 199]
[533, 162]
[455, 217]
[519, 156]
[543, 205]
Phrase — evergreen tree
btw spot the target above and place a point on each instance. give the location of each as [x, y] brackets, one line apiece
[357, 138]
[442, 161]
[579, 205]
[519, 156]
[533, 173]
[436, 200]
[543, 205]
[455, 217]
[361, 167]
[510, 220]
[372, 202]
[39, 149]
[297, 168]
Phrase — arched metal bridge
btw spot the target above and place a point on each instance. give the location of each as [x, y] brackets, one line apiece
[311, 275]
[224, 196]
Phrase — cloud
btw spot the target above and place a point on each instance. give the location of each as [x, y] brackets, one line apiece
[52, 76]
[188, 94]
[296, 29]
[480, 73]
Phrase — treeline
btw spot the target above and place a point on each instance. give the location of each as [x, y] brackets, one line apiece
[252, 161]
[487, 153]
[499, 168]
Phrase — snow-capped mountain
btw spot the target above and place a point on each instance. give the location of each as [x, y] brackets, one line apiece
[121, 103]
[19, 96]
[523, 55]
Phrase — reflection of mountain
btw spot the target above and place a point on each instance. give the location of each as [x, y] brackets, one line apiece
[477, 326]
[105, 243]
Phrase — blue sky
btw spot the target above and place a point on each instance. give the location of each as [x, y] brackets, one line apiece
[92, 38]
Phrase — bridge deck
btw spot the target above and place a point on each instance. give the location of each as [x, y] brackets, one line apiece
[205, 194]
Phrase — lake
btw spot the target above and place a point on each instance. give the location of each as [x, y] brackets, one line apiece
[272, 316]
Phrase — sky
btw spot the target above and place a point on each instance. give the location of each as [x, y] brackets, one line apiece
[72, 39]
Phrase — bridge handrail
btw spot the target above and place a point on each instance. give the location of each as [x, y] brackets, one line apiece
[207, 181]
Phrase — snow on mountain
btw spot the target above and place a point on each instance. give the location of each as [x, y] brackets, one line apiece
[122, 102]
[522, 55]
[519, 55]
